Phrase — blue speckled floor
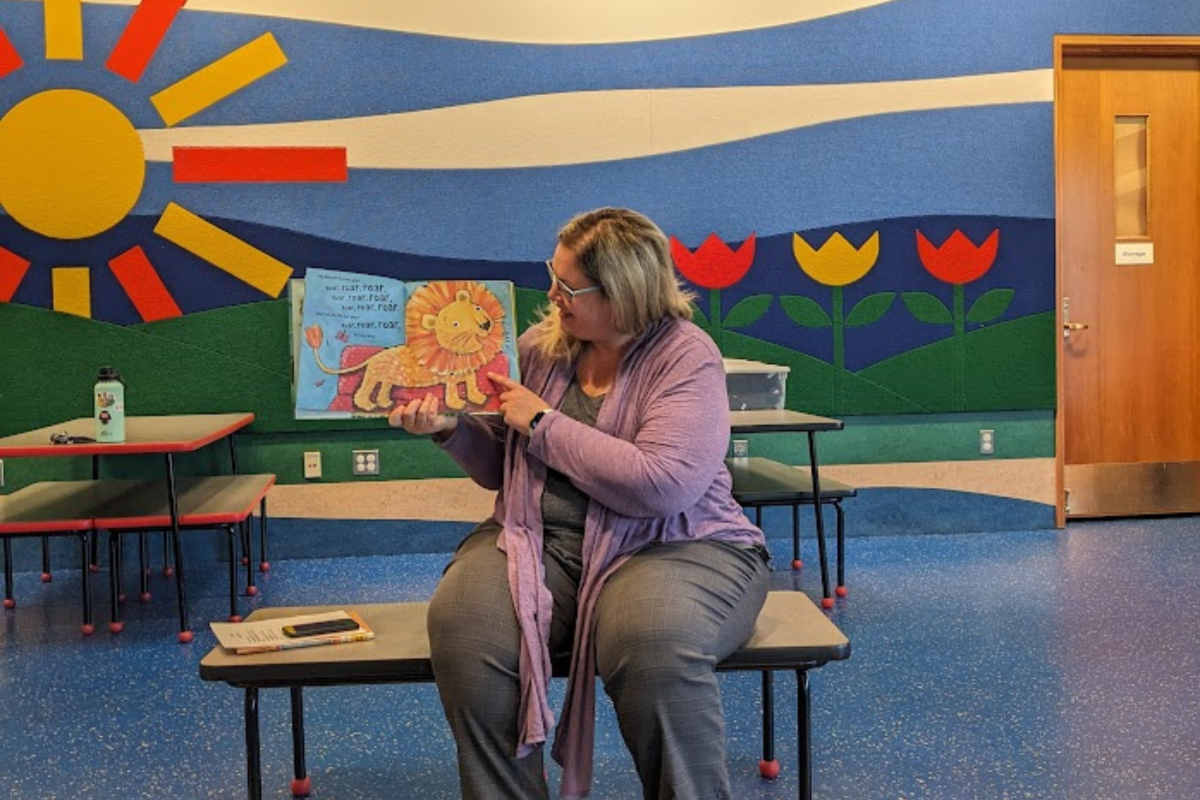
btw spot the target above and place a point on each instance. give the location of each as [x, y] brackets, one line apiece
[1040, 665]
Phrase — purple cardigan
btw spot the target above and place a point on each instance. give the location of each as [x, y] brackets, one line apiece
[654, 468]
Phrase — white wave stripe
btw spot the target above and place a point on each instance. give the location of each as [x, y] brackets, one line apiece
[541, 21]
[592, 127]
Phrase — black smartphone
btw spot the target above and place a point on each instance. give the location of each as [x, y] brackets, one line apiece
[319, 628]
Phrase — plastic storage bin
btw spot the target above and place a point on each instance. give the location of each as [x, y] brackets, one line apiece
[753, 385]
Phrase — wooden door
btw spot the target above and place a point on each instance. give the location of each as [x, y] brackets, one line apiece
[1127, 151]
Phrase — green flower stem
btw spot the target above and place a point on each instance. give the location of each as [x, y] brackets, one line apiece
[839, 345]
[839, 329]
[960, 345]
[714, 315]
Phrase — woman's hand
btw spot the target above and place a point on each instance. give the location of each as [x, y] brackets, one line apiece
[422, 417]
[517, 403]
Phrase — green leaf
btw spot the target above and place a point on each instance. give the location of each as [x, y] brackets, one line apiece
[698, 317]
[927, 308]
[870, 309]
[805, 311]
[748, 311]
[990, 305]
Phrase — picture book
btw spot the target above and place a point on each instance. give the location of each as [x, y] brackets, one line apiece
[367, 344]
[267, 635]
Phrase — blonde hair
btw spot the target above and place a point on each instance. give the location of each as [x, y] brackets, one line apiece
[629, 257]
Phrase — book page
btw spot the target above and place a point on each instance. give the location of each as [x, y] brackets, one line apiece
[268, 635]
[370, 344]
[346, 318]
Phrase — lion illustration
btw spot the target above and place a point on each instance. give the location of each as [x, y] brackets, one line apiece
[452, 328]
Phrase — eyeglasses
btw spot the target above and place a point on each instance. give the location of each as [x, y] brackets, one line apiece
[66, 438]
[567, 292]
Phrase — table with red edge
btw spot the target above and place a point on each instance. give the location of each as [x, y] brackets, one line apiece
[784, 420]
[144, 435]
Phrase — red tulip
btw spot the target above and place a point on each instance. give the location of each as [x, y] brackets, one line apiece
[958, 260]
[314, 336]
[714, 265]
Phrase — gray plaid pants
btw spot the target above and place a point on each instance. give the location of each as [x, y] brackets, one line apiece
[663, 621]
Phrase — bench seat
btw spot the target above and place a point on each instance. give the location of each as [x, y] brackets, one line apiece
[122, 506]
[761, 482]
[791, 634]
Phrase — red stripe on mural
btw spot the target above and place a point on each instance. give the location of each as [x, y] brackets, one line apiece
[259, 164]
[12, 272]
[145, 288]
[142, 36]
[10, 59]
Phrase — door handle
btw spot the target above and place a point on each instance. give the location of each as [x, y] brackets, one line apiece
[1073, 326]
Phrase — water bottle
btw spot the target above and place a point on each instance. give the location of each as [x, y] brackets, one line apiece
[110, 406]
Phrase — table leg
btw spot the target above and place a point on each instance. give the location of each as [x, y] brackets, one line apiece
[46, 576]
[94, 563]
[804, 734]
[797, 562]
[115, 625]
[143, 569]
[233, 454]
[826, 595]
[841, 547]
[253, 751]
[229, 538]
[185, 633]
[248, 559]
[301, 783]
[265, 564]
[85, 540]
[769, 766]
[9, 602]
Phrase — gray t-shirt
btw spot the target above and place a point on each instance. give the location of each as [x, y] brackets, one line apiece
[564, 506]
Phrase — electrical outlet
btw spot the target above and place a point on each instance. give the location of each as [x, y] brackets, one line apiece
[366, 462]
[987, 442]
[312, 464]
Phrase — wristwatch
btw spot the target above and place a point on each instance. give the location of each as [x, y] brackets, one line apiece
[533, 423]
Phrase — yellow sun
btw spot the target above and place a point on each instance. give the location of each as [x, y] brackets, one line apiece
[71, 164]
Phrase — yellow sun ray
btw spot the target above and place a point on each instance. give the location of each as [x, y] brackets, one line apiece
[72, 290]
[219, 79]
[223, 250]
[64, 30]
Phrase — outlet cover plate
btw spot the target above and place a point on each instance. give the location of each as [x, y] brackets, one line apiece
[312, 465]
[366, 462]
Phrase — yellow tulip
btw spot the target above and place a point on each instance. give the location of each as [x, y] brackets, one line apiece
[837, 263]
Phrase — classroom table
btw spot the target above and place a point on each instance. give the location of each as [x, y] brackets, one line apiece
[783, 420]
[144, 435]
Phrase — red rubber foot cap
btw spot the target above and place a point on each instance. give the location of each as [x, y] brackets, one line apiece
[88, 630]
[245, 561]
[93, 567]
[826, 602]
[10, 603]
[264, 566]
[144, 597]
[168, 572]
[47, 577]
[841, 591]
[116, 627]
[235, 617]
[301, 787]
[121, 598]
[185, 637]
[251, 591]
[769, 769]
[797, 564]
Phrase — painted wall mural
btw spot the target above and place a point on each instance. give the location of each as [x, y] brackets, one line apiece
[860, 190]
